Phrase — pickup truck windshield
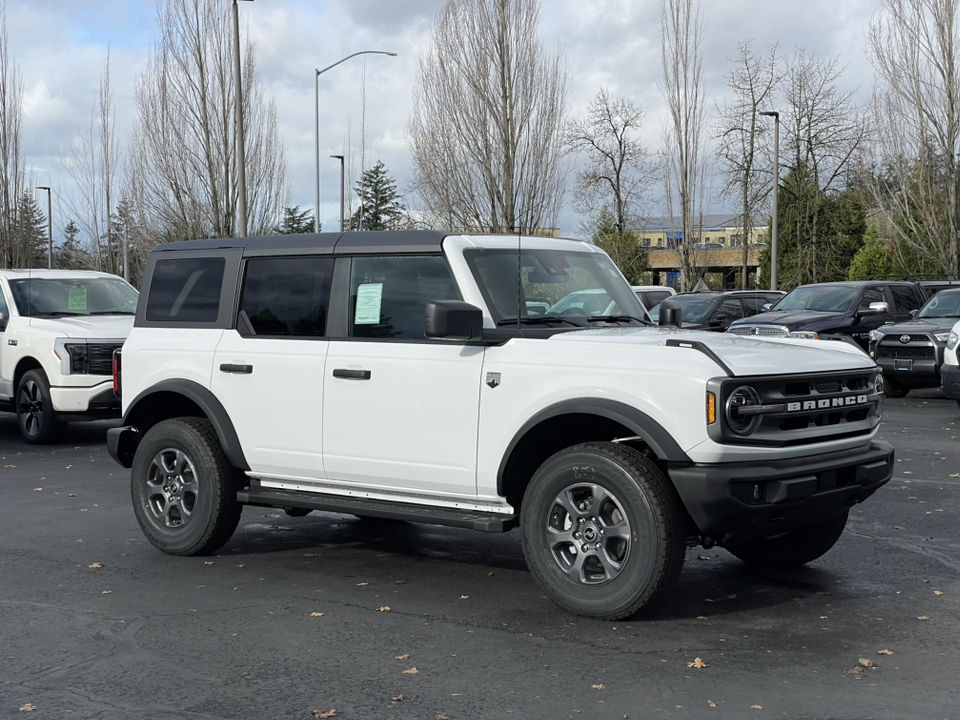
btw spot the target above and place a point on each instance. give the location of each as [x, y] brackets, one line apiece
[822, 298]
[564, 285]
[60, 297]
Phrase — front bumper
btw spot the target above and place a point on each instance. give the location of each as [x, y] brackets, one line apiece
[736, 502]
[85, 402]
[950, 380]
[915, 373]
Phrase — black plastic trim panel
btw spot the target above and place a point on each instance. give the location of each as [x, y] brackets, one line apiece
[471, 519]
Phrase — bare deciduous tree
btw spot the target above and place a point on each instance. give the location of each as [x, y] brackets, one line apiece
[914, 46]
[13, 250]
[616, 178]
[684, 158]
[486, 131]
[824, 131]
[183, 152]
[752, 81]
[95, 164]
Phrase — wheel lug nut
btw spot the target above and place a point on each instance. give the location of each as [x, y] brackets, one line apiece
[598, 546]
[585, 547]
[581, 521]
[576, 535]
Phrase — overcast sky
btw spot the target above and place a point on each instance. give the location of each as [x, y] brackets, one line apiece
[61, 48]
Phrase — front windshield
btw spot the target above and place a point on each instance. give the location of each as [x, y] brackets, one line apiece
[693, 309]
[821, 298]
[58, 297]
[571, 286]
[941, 305]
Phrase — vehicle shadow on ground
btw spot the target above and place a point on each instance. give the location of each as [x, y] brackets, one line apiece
[91, 433]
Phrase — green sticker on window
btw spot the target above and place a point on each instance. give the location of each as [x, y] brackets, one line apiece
[77, 299]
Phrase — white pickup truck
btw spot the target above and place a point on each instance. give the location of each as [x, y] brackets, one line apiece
[486, 382]
[58, 331]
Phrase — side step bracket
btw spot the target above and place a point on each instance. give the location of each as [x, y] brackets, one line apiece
[455, 517]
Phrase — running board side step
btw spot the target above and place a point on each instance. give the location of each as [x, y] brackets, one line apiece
[455, 517]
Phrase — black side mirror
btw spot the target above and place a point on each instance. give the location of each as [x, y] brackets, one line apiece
[452, 320]
[670, 313]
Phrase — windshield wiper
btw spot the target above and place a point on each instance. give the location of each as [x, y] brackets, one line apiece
[112, 312]
[55, 313]
[539, 320]
[616, 318]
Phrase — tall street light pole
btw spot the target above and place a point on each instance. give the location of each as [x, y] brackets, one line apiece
[49, 225]
[776, 188]
[316, 115]
[238, 120]
[340, 158]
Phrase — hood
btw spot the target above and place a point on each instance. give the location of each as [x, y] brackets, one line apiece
[919, 326]
[796, 320]
[744, 356]
[101, 327]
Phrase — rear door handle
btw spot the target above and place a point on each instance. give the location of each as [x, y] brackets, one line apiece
[237, 369]
[351, 374]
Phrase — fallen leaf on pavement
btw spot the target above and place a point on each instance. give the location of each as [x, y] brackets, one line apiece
[29, 707]
[854, 670]
[322, 714]
[397, 698]
[385, 608]
[362, 584]
[95, 566]
[923, 617]
[697, 663]
[711, 703]
[208, 562]
[866, 663]
[938, 592]
[884, 652]
[411, 671]
[756, 707]
[405, 656]
[316, 614]
[106, 592]
[601, 686]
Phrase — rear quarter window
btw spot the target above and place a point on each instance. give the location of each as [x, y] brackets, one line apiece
[185, 290]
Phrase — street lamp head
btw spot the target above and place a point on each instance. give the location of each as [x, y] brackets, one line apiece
[770, 113]
[338, 157]
[42, 187]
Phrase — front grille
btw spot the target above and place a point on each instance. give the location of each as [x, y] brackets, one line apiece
[759, 330]
[100, 358]
[907, 351]
[803, 409]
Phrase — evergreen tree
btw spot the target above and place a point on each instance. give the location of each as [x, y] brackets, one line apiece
[381, 205]
[31, 232]
[295, 221]
[873, 260]
[623, 246]
[72, 255]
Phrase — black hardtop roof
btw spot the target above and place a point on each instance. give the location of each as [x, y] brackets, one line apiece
[335, 243]
[859, 283]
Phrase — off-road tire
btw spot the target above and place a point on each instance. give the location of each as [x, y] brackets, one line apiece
[795, 548]
[894, 388]
[184, 489]
[602, 486]
[35, 416]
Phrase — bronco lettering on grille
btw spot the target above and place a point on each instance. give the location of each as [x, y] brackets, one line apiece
[827, 403]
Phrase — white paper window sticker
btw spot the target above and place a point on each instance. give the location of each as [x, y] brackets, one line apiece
[77, 299]
[369, 299]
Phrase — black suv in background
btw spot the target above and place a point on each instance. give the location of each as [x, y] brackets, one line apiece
[910, 353]
[845, 311]
[716, 310]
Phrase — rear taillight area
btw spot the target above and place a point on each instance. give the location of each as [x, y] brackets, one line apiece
[116, 372]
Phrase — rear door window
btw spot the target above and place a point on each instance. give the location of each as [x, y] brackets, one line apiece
[286, 296]
[186, 290]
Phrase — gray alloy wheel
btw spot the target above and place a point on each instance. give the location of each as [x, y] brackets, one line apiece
[603, 530]
[35, 416]
[184, 489]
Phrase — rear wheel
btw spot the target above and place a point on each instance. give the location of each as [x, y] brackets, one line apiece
[603, 530]
[184, 489]
[795, 548]
[35, 416]
[894, 388]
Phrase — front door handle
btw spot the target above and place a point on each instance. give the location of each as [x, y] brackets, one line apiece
[351, 374]
[237, 369]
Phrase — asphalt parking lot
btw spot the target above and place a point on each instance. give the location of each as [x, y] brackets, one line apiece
[332, 616]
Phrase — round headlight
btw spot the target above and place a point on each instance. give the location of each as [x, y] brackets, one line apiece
[737, 420]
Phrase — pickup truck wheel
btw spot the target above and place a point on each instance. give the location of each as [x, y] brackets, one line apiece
[894, 388]
[184, 489]
[35, 416]
[603, 530]
[796, 548]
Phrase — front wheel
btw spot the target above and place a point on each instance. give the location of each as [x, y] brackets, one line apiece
[795, 548]
[35, 416]
[603, 530]
[894, 388]
[184, 489]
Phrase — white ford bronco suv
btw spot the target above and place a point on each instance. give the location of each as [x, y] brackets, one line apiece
[486, 382]
[58, 331]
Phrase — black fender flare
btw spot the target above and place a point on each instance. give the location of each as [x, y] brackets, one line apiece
[206, 401]
[640, 424]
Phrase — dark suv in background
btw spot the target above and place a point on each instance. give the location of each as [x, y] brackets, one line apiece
[716, 310]
[910, 353]
[845, 311]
